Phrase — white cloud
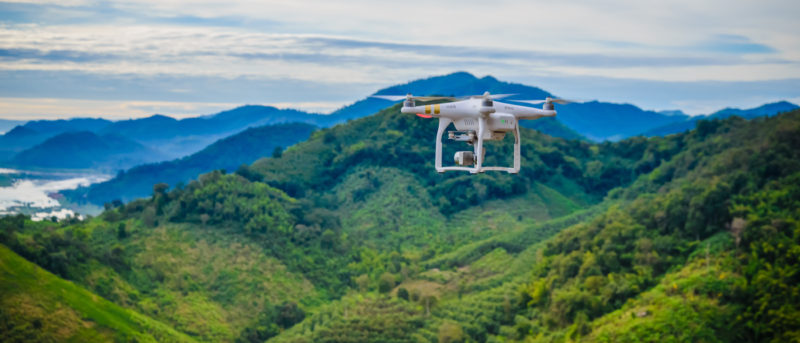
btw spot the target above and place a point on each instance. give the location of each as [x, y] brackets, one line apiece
[355, 44]
[55, 108]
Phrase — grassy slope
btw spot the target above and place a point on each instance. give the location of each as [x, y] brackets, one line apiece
[207, 282]
[39, 306]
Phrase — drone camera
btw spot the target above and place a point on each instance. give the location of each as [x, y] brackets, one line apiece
[464, 158]
[462, 136]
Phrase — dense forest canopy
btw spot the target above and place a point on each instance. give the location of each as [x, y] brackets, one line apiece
[352, 236]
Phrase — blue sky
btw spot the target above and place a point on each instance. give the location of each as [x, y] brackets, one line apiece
[122, 59]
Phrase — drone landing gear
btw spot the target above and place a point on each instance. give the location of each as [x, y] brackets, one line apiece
[472, 158]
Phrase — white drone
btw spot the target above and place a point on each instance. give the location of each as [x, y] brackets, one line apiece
[477, 119]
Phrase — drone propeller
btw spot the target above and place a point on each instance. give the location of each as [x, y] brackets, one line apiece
[409, 96]
[430, 98]
[550, 100]
[486, 95]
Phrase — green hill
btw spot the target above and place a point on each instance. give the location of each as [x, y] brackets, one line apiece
[351, 236]
[38, 306]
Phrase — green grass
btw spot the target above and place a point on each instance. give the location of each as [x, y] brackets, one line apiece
[37, 305]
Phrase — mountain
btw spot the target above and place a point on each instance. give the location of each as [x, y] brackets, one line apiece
[597, 121]
[84, 150]
[601, 121]
[228, 154]
[6, 125]
[187, 136]
[770, 109]
[168, 137]
[688, 124]
[455, 84]
[351, 236]
[54, 127]
[18, 139]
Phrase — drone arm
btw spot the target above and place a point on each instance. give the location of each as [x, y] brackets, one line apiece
[531, 113]
[431, 110]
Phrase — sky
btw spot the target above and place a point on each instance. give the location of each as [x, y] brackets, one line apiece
[126, 59]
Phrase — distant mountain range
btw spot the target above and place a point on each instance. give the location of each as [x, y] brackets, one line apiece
[228, 154]
[169, 138]
[690, 122]
[85, 150]
[6, 125]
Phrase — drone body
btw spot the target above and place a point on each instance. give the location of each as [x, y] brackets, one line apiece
[477, 119]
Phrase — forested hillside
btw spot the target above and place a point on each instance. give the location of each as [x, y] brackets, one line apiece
[352, 236]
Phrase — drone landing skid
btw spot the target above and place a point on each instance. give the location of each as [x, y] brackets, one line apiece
[444, 122]
[475, 170]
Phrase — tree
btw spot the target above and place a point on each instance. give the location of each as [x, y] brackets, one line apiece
[328, 239]
[277, 152]
[363, 282]
[386, 283]
[121, 233]
[402, 293]
[290, 314]
[450, 332]
[160, 188]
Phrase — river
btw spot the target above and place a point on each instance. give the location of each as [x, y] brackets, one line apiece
[35, 193]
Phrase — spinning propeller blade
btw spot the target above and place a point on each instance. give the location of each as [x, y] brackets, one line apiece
[403, 97]
[389, 97]
[486, 95]
[550, 100]
[431, 98]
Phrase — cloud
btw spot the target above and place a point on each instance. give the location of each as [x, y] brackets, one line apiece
[320, 53]
[735, 44]
[235, 52]
[53, 55]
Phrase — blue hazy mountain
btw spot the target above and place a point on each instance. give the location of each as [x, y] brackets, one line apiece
[228, 154]
[18, 139]
[455, 84]
[6, 125]
[84, 150]
[162, 127]
[170, 137]
[770, 109]
[594, 120]
[174, 138]
[54, 127]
